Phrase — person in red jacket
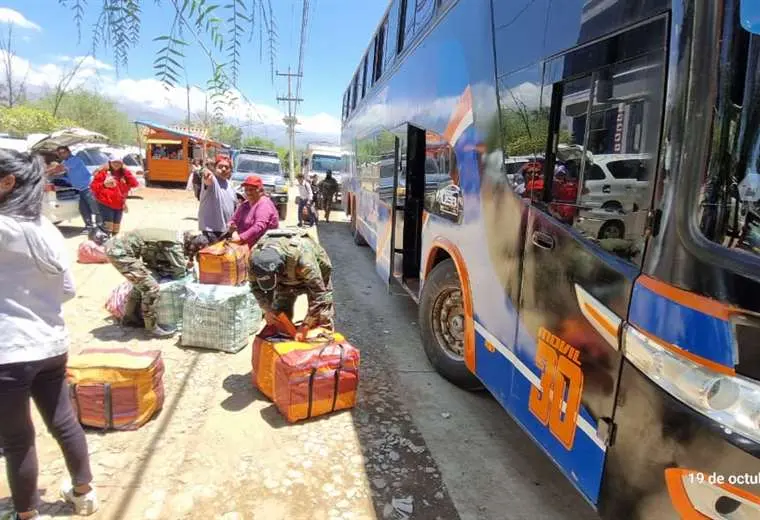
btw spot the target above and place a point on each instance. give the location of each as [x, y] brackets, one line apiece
[110, 186]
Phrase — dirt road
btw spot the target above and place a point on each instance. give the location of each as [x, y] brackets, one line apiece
[414, 447]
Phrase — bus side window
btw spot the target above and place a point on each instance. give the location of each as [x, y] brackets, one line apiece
[600, 169]
[524, 130]
[443, 195]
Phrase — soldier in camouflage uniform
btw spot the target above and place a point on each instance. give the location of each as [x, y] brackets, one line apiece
[141, 253]
[287, 263]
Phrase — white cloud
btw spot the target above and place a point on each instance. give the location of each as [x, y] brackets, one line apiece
[15, 18]
[87, 62]
[141, 97]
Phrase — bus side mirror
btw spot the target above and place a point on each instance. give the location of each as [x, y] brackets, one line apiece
[750, 16]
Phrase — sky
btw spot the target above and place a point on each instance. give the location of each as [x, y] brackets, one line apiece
[46, 43]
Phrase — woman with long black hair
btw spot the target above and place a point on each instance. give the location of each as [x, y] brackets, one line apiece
[35, 281]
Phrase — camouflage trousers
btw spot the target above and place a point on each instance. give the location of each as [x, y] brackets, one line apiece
[285, 297]
[134, 270]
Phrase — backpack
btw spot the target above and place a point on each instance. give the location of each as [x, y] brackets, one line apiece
[295, 235]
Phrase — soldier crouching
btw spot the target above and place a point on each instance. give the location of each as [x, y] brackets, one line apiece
[137, 255]
[286, 264]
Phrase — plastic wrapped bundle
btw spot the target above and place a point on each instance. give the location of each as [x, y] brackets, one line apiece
[117, 302]
[255, 315]
[216, 317]
[171, 300]
[91, 253]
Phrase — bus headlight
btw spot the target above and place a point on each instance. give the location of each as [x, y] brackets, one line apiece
[731, 400]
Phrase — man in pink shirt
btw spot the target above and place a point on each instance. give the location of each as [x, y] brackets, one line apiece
[254, 216]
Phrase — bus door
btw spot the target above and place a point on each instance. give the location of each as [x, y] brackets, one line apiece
[583, 251]
[390, 182]
[406, 237]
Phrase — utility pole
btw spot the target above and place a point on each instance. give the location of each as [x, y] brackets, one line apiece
[290, 121]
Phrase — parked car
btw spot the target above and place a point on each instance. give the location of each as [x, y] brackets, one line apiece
[617, 182]
[265, 164]
[61, 202]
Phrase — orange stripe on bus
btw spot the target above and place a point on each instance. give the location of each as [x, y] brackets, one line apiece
[464, 278]
[688, 299]
[707, 363]
[463, 107]
[601, 319]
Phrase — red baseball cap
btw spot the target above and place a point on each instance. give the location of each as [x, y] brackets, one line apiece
[253, 180]
[223, 159]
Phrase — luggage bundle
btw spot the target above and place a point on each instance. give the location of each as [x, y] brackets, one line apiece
[91, 253]
[124, 302]
[305, 379]
[116, 389]
[219, 317]
[223, 263]
[171, 300]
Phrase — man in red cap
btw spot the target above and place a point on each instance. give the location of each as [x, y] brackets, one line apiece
[254, 216]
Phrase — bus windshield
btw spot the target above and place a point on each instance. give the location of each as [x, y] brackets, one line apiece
[248, 165]
[729, 209]
[322, 163]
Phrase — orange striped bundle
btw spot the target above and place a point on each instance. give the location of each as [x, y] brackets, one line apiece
[318, 381]
[267, 349]
[223, 263]
[117, 389]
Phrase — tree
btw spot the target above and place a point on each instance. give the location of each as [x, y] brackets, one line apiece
[94, 112]
[219, 29]
[12, 90]
[22, 120]
[228, 134]
[63, 84]
[258, 142]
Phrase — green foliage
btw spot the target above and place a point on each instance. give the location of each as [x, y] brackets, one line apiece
[258, 142]
[94, 112]
[25, 119]
[228, 134]
[118, 27]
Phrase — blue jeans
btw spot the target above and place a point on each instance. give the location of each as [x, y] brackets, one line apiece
[111, 219]
[305, 204]
[89, 207]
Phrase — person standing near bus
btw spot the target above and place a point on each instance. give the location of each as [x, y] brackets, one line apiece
[328, 188]
[305, 199]
[111, 186]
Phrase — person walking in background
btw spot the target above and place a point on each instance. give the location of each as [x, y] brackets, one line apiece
[328, 188]
[111, 186]
[35, 281]
[79, 177]
[254, 216]
[305, 199]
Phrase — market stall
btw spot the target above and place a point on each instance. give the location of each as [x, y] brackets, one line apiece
[170, 150]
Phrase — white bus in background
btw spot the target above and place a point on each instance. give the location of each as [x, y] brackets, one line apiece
[318, 158]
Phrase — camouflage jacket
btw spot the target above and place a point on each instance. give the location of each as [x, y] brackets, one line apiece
[307, 271]
[329, 186]
[161, 250]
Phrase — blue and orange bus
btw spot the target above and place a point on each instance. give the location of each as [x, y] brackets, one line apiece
[569, 189]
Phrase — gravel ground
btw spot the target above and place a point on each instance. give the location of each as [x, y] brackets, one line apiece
[414, 447]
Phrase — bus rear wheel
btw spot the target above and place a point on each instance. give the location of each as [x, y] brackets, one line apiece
[442, 320]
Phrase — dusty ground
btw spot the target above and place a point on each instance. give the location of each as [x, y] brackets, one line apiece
[414, 447]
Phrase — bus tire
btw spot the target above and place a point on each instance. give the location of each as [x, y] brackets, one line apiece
[440, 291]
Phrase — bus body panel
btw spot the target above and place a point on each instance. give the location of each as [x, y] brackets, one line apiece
[522, 298]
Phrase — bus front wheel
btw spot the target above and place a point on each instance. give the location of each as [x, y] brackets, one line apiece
[442, 319]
